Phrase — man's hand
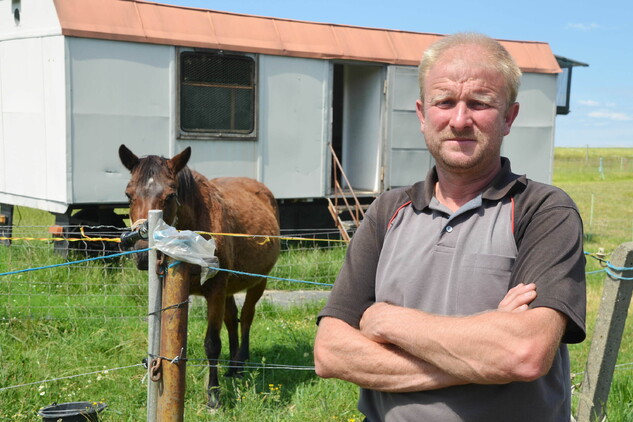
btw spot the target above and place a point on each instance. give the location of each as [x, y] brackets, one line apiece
[370, 323]
[518, 298]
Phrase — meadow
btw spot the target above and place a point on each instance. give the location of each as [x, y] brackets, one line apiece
[78, 333]
[600, 180]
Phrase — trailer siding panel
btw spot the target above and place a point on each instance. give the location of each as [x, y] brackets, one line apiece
[294, 108]
[120, 94]
[32, 130]
[409, 159]
[530, 144]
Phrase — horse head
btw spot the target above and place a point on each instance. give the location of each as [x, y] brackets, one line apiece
[153, 186]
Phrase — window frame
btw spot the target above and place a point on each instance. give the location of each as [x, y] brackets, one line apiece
[212, 134]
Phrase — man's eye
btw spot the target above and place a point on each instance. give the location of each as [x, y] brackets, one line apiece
[478, 105]
[444, 104]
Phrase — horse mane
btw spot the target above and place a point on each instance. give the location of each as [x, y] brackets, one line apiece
[196, 190]
[186, 185]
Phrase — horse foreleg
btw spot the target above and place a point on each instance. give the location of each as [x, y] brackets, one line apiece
[246, 319]
[213, 345]
[230, 320]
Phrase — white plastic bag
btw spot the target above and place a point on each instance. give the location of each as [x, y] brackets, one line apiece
[187, 246]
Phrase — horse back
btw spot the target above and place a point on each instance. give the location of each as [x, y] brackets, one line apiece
[249, 207]
[247, 192]
[248, 198]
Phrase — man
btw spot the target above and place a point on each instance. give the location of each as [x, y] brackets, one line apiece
[458, 294]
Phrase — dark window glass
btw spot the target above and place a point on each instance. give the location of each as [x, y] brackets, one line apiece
[217, 93]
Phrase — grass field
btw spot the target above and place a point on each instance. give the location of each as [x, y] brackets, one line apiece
[82, 329]
[601, 183]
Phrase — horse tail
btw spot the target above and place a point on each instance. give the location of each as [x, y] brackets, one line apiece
[273, 202]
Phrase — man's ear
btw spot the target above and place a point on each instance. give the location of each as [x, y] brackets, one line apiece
[419, 110]
[511, 115]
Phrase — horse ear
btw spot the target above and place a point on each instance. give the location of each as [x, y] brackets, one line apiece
[127, 157]
[179, 161]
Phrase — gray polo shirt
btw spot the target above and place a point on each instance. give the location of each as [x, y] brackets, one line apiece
[438, 282]
[413, 252]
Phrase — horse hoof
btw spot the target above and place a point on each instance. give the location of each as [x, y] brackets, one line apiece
[213, 405]
[212, 410]
[213, 401]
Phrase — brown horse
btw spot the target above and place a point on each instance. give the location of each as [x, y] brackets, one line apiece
[190, 201]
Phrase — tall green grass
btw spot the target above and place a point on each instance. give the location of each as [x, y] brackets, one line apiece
[111, 351]
[315, 266]
[90, 320]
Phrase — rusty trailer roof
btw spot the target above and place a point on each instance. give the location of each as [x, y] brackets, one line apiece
[154, 23]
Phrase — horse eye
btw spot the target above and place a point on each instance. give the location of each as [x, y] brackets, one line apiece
[129, 197]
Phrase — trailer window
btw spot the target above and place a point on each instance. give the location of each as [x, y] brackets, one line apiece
[217, 93]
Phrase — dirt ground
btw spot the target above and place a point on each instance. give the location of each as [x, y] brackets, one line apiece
[288, 298]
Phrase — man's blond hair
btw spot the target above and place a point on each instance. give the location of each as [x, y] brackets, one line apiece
[495, 56]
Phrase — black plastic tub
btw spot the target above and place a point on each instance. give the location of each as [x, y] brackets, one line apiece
[79, 411]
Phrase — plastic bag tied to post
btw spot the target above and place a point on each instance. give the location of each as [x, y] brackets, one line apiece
[187, 246]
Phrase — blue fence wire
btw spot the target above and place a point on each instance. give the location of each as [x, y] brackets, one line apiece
[65, 264]
[610, 268]
[81, 261]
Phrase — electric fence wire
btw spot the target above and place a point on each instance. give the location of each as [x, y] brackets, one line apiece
[102, 371]
[263, 365]
[246, 366]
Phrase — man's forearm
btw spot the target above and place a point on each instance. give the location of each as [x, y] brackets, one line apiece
[341, 351]
[490, 348]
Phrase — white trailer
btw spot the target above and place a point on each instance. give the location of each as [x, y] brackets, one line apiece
[253, 96]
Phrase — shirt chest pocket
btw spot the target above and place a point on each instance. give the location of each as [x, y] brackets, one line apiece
[483, 281]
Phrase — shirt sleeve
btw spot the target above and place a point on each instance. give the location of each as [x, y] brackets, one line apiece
[550, 254]
[354, 288]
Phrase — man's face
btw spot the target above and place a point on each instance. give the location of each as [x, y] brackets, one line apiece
[465, 113]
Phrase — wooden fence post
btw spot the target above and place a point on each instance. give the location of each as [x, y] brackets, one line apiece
[607, 336]
[173, 344]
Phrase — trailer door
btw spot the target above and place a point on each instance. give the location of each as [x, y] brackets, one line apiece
[407, 159]
[293, 114]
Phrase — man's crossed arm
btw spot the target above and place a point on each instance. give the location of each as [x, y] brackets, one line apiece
[399, 349]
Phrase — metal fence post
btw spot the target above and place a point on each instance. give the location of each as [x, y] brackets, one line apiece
[153, 307]
[607, 336]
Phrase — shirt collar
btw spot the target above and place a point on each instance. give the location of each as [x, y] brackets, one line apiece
[503, 184]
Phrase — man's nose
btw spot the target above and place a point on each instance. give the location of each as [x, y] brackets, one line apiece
[461, 117]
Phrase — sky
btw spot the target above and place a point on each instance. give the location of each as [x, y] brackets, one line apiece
[599, 33]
